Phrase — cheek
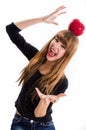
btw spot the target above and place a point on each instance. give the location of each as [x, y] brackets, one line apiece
[61, 54]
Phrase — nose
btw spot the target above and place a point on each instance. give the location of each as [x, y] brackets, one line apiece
[56, 48]
[57, 45]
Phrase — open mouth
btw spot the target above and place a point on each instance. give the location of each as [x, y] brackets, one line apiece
[52, 52]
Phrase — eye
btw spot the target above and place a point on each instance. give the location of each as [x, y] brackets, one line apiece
[56, 39]
[63, 46]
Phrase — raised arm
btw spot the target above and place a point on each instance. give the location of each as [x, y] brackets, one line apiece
[50, 18]
[14, 29]
[26, 48]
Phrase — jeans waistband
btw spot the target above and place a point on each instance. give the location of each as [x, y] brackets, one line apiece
[29, 119]
[18, 120]
[19, 115]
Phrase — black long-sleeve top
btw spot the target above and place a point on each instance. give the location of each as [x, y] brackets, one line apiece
[23, 104]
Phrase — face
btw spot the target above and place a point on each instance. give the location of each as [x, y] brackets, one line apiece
[56, 50]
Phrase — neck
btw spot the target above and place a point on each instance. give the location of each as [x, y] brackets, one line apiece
[46, 67]
[49, 64]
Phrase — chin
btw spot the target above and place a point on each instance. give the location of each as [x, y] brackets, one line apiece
[50, 59]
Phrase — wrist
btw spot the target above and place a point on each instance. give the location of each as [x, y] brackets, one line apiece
[42, 19]
[41, 108]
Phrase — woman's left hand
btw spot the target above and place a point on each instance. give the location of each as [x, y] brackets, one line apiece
[51, 98]
[50, 18]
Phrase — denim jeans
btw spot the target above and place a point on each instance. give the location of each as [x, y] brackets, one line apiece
[21, 123]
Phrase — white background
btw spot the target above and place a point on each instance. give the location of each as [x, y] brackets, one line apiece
[70, 112]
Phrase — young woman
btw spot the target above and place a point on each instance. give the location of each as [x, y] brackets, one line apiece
[43, 79]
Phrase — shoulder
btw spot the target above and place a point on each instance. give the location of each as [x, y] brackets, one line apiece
[61, 86]
[65, 81]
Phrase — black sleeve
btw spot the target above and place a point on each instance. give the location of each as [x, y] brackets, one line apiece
[61, 86]
[27, 49]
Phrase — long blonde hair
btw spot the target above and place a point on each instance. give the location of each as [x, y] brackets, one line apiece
[47, 82]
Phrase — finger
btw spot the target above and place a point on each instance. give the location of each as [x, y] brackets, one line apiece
[60, 8]
[61, 95]
[62, 13]
[54, 101]
[38, 92]
[55, 23]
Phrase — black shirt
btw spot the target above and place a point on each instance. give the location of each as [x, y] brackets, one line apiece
[23, 104]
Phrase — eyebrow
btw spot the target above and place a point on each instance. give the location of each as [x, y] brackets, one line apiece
[62, 40]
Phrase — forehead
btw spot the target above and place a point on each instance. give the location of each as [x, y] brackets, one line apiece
[61, 39]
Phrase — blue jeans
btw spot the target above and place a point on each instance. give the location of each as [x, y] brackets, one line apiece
[21, 123]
